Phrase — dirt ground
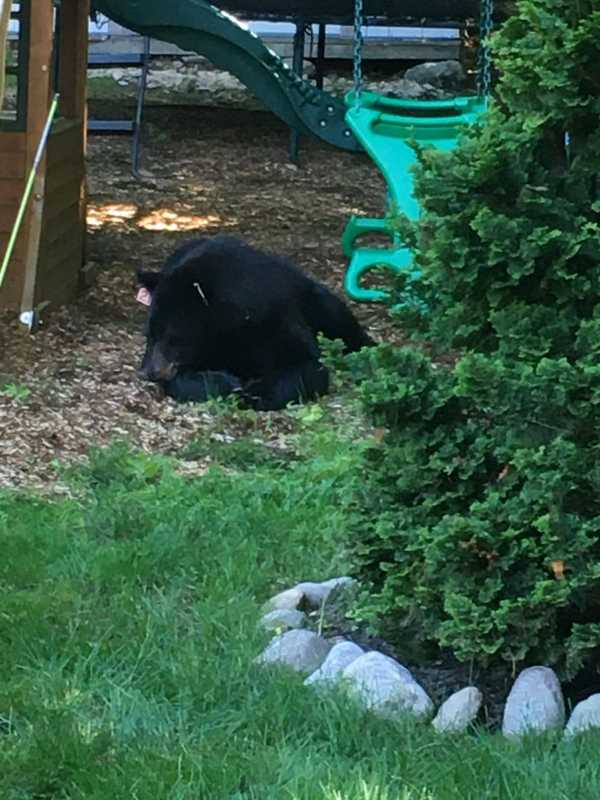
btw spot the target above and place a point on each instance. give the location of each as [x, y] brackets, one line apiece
[211, 170]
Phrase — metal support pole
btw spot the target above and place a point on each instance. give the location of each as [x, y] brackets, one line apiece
[297, 63]
[321, 54]
[139, 112]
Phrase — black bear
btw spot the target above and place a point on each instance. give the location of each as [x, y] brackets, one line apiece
[226, 318]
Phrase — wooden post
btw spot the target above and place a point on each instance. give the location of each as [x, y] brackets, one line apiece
[73, 57]
[55, 254]
[38, 102]
[73, 80]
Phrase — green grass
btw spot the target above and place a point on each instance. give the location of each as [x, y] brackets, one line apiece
[128, 629]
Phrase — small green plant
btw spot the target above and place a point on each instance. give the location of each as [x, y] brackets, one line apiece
[15, 391]
[310, 414]
[243, 453]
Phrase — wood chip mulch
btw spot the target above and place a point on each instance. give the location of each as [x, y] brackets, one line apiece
[73, 384]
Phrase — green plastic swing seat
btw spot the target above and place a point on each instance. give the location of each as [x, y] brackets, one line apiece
[384, 126]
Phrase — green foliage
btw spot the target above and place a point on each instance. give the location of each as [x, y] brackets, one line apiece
[487, 480]
[15, 391]
[510, 243]
[480, 521]
[238, 454]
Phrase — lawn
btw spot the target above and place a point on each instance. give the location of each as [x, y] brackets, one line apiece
[128, 628]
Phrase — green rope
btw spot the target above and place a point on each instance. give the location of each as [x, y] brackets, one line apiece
[28, 188]
[486, 23]
[484, 59]
[358, 43]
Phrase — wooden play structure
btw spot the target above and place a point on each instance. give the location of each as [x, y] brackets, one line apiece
[48, 56]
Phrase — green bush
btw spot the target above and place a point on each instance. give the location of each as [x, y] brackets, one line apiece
[510, 243]
[479, 525]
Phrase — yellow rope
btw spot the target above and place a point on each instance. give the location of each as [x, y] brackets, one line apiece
[29, 186]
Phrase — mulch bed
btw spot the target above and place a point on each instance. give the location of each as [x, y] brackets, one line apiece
[210, 170]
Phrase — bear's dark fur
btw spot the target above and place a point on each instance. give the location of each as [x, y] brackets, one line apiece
[225, 317]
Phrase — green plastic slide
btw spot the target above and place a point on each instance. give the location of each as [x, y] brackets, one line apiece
[195, 25]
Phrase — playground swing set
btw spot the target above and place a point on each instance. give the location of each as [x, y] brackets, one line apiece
[385, 127]
[42, 171]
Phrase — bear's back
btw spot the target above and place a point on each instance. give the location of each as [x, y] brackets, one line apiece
[229, 270]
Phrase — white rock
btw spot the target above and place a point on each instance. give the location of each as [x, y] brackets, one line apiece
[535, 703]
[290, 599]
[386, 687]
[444, 74]
[314, 593]
[301, 650]
[458, 711]
[585, 715]
[283, 619]
[340, 656]
[338, 583]
[166, 79]
[408, 90]
[317, 593]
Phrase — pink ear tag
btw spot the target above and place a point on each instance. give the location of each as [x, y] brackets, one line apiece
[144, 296]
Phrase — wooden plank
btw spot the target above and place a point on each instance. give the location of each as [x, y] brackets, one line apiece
[61, 265]
[57, 162]
[57, 251]
[67, 173]
[62, 225]
[66, 142]
[20, 247]
[33, 244]
[65, 176]
[61, 125]
[59, 200]
[40, 61]
[56, 232]
[11, 191]
[8, 215]
[74, 57]
[13, 142]
[58, 292]
[64, 272]
[58, 282]
[59, 248]
[12, 165]
[12, 288]
[38, 103]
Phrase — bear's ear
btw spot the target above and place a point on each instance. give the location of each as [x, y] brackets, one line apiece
[149, 280]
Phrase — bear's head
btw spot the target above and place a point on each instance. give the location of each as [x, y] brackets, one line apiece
[180, 327]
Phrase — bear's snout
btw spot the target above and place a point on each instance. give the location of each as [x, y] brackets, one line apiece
[155, 367]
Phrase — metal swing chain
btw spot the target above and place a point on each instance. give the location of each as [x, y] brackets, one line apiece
[484, 58]
[358, 43]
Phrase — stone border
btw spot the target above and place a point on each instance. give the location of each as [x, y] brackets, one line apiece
[385, 687]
